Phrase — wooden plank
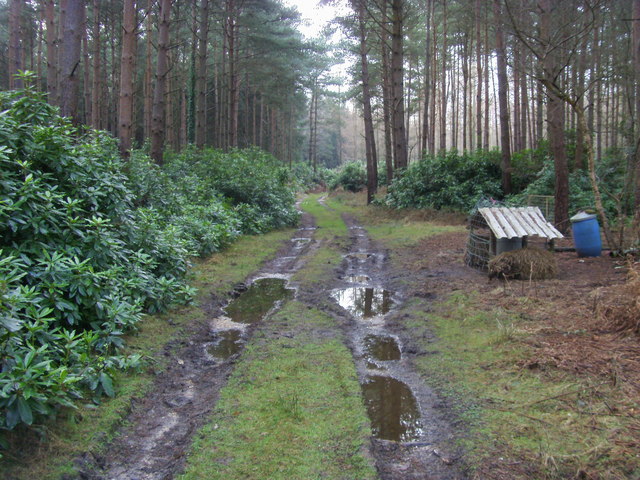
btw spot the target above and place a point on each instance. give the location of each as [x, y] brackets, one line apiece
[510, 232]
[547, 229]
[492, 222]
[527, 223]
[514, 217]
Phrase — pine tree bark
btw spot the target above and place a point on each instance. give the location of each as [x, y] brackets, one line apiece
[96, 90]
[555, 117]
[201, 79]
[70, 58]
[636, 70]
[15, 56]
[427, 81]
[387, 94]
[443, 92]
[127, 61]
[503, 89]
[158, 113]
[479, 78]
[52, 51]
[369, 135]
[397, 57]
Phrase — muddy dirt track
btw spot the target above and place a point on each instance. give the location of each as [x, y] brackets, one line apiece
[409, 422]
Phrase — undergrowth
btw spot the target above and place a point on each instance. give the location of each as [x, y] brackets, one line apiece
[90, 244]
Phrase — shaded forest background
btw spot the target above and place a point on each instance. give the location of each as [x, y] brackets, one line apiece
[422, 77]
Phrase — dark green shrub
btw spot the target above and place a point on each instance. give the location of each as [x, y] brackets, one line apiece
[352, 177]
[451, 180]
[610, 173]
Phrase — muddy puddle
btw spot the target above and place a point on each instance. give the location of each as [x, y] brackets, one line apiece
[364, 302]
[357, 279]
[261, 296]
[226, 344]
[381, 347]
[392, 408]
[360, 256]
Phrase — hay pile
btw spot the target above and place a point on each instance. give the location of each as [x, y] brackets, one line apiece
[619, 307]
[524, 264]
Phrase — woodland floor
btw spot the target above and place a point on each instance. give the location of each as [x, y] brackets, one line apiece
[552, 329]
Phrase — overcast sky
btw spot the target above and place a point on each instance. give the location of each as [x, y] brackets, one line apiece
[315, 17]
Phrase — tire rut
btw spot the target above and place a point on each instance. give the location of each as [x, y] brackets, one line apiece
[153, 442]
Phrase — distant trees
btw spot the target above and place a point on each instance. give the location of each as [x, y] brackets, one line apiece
[233, 71]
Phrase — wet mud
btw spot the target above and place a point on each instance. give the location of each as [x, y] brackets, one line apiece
[412, 433]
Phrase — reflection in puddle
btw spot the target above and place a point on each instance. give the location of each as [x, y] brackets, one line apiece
[392, 408]
[382, 348]
[357, 278]
[259, 298]
[226, 343]
[364, 302]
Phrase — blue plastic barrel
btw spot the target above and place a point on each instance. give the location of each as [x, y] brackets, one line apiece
[586, 235]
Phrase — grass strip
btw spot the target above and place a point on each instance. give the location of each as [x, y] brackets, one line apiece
[48, 454]
[395, 228]
[291, 409]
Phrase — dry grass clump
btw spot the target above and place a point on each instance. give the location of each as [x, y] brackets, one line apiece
[524, 264]
[619, 307]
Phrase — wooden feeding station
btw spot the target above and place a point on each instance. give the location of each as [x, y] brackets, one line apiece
[495, 230]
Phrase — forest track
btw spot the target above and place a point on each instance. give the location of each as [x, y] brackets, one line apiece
[155, 437]
[424, 452]
[154, 442]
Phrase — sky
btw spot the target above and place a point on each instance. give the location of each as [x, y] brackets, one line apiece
[314, 17]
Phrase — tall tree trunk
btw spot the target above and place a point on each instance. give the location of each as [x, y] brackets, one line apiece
[148, 74]
[52, 51]
[234, 78]
[387, 95]
[503, 89]
[70, 58]
[636, 70]
[397, 55]
[555, 118]
[201, 79]
[15, 43]
[465, 86]
[427, 80]
[86, 71]
[125, 104]
[443, 97]
[96, 88]
[479, 73]
[370, 143]
[158, 111]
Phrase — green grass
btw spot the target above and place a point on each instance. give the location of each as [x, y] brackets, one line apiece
[291, 410]
[90, 427]
[395, 228]
[332, 234]
[557, 422]
[217, 273]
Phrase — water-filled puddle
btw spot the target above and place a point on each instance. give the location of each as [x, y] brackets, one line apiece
[261, 296]
[226, 343]
[359, 256]
[357, 278]
[364, 302]
[382, 348]
[392, 408]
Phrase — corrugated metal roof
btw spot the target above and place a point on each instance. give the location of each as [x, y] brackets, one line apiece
[518, 222]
